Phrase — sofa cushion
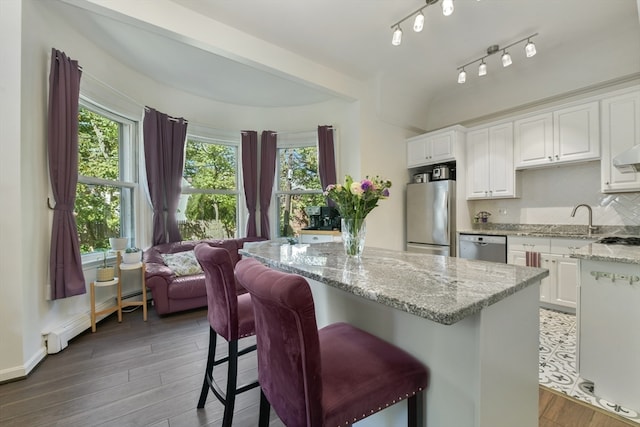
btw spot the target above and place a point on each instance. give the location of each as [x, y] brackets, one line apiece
[182, 263]
[188, 287]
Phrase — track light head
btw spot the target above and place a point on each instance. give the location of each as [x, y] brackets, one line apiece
[418, 23]
[506, 59]
[530, 49]
[447, 7]
[482, 69]
[462, 76]
[397, 36]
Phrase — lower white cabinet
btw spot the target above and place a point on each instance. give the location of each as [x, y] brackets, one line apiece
[560, 288]
[308, 236]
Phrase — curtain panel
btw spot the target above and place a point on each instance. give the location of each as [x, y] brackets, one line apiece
[268, 151]
[65, 263]
[250, 177]
[326, 158]
[164, 140]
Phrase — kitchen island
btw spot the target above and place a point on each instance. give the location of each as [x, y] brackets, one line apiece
[473, 323]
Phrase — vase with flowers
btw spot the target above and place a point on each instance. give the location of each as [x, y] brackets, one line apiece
[354, 200]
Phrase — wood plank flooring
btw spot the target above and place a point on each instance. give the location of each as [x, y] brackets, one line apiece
[149, 374]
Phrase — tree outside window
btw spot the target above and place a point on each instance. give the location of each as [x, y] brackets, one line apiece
[298, 186]
[209, 203]
[106, 178]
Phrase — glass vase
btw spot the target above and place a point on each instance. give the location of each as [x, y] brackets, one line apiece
[353, 234]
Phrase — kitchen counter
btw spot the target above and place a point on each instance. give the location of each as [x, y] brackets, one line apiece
[473, 323]
[441, 289]
[612, 253]
[565, 231]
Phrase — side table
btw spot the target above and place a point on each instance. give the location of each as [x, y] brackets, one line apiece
[108, 310]
[118, 282]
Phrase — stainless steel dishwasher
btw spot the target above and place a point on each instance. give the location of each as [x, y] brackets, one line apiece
[483, 247]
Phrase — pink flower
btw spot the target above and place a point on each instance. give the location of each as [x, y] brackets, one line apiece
[367, 185]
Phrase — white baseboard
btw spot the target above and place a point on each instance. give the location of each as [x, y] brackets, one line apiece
[18, 372]
[58, 338]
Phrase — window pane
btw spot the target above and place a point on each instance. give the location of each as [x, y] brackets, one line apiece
[210, 166]
[298, 169]
[291, 215]
[98, 145]
[98, 212]
[210, 216]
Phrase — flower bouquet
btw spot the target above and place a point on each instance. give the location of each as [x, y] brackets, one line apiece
[354, 200]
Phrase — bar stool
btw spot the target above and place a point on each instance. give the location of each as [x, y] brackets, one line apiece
[334, 376]
[230, 316]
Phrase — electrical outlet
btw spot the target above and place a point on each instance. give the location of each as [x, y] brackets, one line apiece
[502, 211]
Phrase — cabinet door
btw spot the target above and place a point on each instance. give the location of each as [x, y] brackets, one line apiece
[478, 164]
[566, 281]
[416, 152]
[501, 172]
[441, 146]
[620, 131]
[517, 258]
[548, 284]
[533, 141]
[576, 133]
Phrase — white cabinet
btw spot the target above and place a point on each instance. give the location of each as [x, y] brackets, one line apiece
[319, 236]
[435, 147]
[620, 131]
[570, 134]
[559, 289]
[490, 172]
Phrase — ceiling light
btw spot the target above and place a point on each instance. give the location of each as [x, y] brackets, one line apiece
[418, 15]
[397, 36]
[482, 69]
[506, 59]
[530, 50]
[462, 76]
[447, 7]
[418, 24]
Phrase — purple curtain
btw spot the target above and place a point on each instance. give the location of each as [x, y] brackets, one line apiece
[268, 151]
[164, 139]
[65, 264]
[326, 158]
[250, 177]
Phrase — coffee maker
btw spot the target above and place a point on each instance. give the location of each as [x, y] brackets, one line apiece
[315, 217]
[330, 218]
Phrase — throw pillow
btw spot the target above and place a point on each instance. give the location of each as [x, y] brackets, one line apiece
[182, 263]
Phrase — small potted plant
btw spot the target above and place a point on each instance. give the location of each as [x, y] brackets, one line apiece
[132, 255]
[105, 273]
[118, 243]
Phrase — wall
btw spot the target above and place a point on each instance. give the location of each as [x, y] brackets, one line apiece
[549, 194]
[25, 312]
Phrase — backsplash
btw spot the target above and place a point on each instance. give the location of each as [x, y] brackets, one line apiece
[547, 196]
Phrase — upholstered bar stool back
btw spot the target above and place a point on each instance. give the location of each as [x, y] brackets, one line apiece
[334, 376]
[230, 316]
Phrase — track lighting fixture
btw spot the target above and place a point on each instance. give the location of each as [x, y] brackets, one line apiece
[418, 23]
[529, 50]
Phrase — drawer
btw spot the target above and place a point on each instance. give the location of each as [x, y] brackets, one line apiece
[537, 244]
[316, 238]
[568, 246]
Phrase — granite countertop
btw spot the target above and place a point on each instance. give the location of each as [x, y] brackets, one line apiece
[437, 288]
[565, 231]
[612, 253]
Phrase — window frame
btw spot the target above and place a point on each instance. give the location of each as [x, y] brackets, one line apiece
[284, 141]
[212, 136]
[129, 173]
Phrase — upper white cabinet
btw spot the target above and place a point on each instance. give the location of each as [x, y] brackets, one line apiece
[564, 135]
[620, 131]
[434, 147]
[490, 172]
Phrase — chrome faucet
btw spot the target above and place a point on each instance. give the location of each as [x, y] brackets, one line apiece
[590, 227]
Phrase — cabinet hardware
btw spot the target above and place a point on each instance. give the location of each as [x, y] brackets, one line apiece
[557, 157]
[614, 276]
[550, 158]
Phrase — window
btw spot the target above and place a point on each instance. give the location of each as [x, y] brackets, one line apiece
[297, 181]
[209, 203]
[107, 159]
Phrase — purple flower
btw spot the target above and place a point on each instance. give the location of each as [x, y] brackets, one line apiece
[366, 185]
[385, 192]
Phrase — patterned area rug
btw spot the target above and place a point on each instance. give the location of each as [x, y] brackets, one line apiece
[558, 363]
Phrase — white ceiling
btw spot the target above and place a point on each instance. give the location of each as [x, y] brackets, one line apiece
[353, 37]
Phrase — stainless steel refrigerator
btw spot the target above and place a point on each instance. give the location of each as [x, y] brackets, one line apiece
[431, 216]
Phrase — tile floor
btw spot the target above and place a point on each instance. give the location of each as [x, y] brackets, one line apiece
[558, 362]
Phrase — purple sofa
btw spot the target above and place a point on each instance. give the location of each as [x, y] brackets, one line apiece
[172, 293]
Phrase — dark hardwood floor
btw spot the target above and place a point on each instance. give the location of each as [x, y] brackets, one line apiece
[149, 374]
